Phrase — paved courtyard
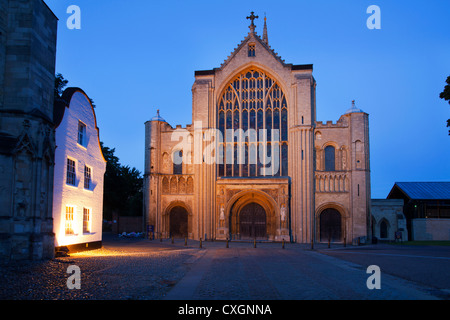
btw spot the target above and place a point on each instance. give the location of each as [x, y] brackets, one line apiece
[134, 269]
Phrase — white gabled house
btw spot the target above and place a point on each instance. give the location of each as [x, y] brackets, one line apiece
[79, 173]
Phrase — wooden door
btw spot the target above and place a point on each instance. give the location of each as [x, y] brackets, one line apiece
[252, 222]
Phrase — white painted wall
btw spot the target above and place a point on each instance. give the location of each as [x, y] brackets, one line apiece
[79, 109]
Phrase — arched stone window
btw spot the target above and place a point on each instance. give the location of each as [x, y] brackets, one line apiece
[249, 108]
[177, 159]
[330, 158]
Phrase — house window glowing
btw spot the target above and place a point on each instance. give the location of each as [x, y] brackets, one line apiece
[86, 220]
[71, 175]
[81, 133]
[69, 221]
[87, 177]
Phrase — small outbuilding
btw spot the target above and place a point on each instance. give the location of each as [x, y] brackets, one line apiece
[426, 208]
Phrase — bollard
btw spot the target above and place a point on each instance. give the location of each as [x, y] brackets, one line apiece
[185, 241]
[227, 242]
[312, 244]
[200, 242]
[254, 243]
[329, 243]
[283, 244]
[345, 242]
[172, 240]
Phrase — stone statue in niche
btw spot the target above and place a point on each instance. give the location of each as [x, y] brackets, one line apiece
[222, 216]
[283, 214]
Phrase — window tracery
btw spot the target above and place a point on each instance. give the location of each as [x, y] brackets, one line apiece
[252, 105]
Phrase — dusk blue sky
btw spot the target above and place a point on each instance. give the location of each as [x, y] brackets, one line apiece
[134, 57]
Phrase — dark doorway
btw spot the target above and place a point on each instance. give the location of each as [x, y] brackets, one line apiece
[383, 229]
[178, 222]
[330, 225]
[252, 221]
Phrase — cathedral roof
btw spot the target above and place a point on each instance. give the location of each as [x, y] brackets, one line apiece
[253, 36]
[264, 43]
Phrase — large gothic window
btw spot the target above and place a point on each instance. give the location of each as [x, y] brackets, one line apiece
[252, 117]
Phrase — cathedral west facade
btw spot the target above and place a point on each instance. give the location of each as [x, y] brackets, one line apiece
[255, 163]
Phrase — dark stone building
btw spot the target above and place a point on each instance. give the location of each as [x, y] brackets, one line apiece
[28, 31]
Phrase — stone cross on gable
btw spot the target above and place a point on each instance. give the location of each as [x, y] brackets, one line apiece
[252, 17]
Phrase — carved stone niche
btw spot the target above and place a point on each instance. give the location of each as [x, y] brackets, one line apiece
[222, 229]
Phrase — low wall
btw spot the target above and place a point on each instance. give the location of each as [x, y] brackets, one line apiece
[127, 224]
[431, 229]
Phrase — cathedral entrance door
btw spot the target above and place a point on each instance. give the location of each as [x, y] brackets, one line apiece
[330, 225]
[252, 221]
[178, 222]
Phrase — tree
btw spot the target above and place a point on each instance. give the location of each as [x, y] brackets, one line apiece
[122, 187]
[446, 96]
[60, 84]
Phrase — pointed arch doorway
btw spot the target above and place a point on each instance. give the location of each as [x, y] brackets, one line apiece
[252, 221]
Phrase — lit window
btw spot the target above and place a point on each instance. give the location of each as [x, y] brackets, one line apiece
[81, 133]
[251, 50]
[86, 220]
[87, 177]
[69, 220]
[71, 175]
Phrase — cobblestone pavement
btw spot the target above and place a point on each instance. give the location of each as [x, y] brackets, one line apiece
[153, 270]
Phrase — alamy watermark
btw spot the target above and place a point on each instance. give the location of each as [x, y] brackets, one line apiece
[374, 21]
[234, 146]
[374, 280]
[74, 20]
[74, 280]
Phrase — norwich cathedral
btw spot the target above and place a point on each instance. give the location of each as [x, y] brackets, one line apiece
[255, 163]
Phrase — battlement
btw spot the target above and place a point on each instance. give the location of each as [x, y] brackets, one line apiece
[341, 123]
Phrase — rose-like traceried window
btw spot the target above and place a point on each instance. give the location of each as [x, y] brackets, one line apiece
[252, 117]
